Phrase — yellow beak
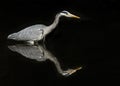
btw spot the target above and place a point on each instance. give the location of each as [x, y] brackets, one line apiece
[74, 16]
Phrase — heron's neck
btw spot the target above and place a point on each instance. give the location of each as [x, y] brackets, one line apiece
[56, 21]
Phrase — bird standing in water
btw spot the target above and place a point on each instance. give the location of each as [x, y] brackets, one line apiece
[38, 32]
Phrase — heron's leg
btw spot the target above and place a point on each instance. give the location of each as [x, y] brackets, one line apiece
[43, 39]
[44, 45]
[44, 42]
[42, 35]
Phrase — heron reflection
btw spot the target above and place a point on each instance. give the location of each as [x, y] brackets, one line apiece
[39, 53]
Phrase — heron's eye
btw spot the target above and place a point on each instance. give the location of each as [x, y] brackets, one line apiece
[65, 12]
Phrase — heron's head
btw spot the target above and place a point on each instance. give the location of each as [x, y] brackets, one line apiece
[68, 14]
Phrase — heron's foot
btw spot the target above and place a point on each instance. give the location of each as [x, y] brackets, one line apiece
[70, 71]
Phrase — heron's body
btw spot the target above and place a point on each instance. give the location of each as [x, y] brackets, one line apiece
[31, 33]
[38, 32]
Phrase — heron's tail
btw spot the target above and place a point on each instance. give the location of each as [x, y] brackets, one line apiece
[12, 36]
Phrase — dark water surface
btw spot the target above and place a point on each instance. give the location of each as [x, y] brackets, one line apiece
[74, 43]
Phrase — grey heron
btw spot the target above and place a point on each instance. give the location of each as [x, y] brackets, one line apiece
[39, 53]
[38, 32]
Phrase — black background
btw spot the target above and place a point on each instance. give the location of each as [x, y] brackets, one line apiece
[92, 41]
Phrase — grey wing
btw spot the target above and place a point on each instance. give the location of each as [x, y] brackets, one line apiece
[34, 32]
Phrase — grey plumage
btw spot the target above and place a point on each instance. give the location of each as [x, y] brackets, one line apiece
[38, 32]
[34, 32]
